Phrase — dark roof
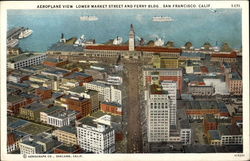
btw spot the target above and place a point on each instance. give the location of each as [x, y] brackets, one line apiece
[54, 60]
[236, 76]
[88, 121]
[65, 47]
[35, 106]
[53, 109]
[31, 143]
[17, 124]
[112, 103]
[68, 129]
[14, 98]
[214, 134]
[222, 107]
[229, 130]
[185, 54]
[67, 148]
[77, 74]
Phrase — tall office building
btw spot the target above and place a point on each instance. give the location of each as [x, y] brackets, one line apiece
[158, 114]
[171, 88]
[96, 135]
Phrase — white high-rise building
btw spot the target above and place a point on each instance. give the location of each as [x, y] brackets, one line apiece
[97, 137]
[158, 114]
[106, 92]
[131, 38]
[171, 88]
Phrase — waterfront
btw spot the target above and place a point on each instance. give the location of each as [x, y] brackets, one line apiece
[222, 26]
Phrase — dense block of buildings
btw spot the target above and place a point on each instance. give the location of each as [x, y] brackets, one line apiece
[80, 104]
[201, 90]
[75, 79]
[230, 135]
[106, 92]
[165, 61]
[198, 109]
[32, 111]
[157, 74]
[209, 123]
[234, 83]
[54, 62]
[44, 93]
[90, 94]
[14, 103]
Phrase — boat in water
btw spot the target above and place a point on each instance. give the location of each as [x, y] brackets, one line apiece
[159, 42]
[162, 19]
[12, 43]
[81, 41]
[88, 18]
[25, 33]
[117, 41]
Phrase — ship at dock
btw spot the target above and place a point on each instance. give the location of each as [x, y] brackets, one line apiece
[162, 19]
[88, 18]
[27, 32]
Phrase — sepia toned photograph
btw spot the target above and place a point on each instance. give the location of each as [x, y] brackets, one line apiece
[124, 79]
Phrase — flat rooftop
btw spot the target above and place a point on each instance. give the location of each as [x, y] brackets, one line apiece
[62, 113]
[24, 56]
[215, 135]
[69, 129]
[65, 47]
[229, 130]
[35, 106]
[14, 98]
[31, 143]
[88, 121]
[236, 76]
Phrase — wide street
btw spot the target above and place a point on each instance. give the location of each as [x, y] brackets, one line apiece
[134, 135]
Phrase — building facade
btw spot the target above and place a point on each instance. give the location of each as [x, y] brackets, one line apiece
[106, 92]
[158, 114]
[61, 118]
[25, 60]
[98, 138]
[111, 107]
[171, 88]
[80, 104]
[66, 134]
[30, 147]
[201, 90]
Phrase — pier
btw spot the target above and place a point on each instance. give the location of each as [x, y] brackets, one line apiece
[14, 32]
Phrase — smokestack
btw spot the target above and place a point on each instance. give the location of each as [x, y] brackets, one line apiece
[131, 27]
